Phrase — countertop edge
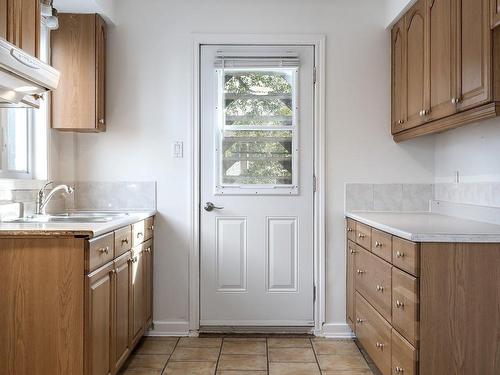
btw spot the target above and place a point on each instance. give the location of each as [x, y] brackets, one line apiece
[423, 237]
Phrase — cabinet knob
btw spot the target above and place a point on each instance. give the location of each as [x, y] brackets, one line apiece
[399, 370]
[125, 240]
[104, 250]
[378, 244]
[401, 122]
[349, 230]
[361, 235]
[399, 254]
[148, 250]
[359, 321]
[352, 251]
[112, 272]
[360, 272]
[380, 288]
[140, 234]
[151, 227]
[101, 121]
[399, 304]
[379, 345]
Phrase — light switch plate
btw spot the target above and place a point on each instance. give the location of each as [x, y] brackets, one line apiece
[178, 149]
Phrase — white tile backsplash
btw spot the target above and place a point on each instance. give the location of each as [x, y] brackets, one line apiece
[388, 197]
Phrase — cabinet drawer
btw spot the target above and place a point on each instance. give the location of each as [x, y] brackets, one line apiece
[123, 240]
[405, 305]
[406, 255]
[363, 235]
[100, 251]
[142, 231]
[374, 334]
[404, 356]
[351, 229]
[373, 281]
[382, 244]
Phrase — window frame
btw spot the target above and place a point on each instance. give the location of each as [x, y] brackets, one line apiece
[221, 188]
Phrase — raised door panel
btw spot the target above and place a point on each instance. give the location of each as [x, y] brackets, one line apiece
[100, 74]
[415, 65]
[398, 78]
[74, 55]
[495, 13]
[442, 59]
[28, 27]
[351, 269]
[99, 314]
[137, 299]
[473, 54]
[121, 310]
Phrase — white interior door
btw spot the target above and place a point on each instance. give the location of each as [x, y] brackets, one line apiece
[256, 186]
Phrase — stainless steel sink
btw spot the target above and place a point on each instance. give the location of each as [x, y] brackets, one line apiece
[71, 217]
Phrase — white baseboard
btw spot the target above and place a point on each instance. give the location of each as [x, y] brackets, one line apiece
[169, 328]
[336, 331]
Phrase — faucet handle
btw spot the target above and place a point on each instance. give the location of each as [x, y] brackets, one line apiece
[45, 186]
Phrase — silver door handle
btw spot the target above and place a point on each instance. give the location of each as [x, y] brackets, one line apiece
[209, 206]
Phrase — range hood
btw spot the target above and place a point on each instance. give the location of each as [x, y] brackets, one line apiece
[23, 78]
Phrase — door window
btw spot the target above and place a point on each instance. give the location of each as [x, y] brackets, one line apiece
[256, 141]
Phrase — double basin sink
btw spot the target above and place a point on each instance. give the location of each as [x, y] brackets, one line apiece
[71, 217]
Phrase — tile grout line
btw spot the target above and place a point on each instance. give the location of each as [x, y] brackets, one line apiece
[316, 356]
[267, 354]
[170, 356]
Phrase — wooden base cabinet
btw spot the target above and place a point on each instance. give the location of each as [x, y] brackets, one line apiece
[443, 316]
[69, 306]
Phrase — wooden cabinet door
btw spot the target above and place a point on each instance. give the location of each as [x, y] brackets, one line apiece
[441, 80]
[148, 278]
[398, 77]
[416, 54]
[28, 26]
[4, 9]
[351, 265]
[100, 74]
[495, 13]
[137, 298]
[473, 54]
[99, 317]
[121, 309]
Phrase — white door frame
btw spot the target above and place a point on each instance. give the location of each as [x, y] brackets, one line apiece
[319, 42]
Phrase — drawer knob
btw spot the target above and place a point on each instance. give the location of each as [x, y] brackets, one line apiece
[359, 321]
[378, 244]
[399, 254]
[360, 272]
[399, 304]
[379, 345]
[352, 251]
[125, 240]
[401, 122]
[134, 260]
[349, 230]
[361, 235]
[399, 370]
[148, 250]
[380, 288]
[140, 234]
[151, 227]
[104, 250]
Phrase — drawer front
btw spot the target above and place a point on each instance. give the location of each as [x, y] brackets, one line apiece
[374, 334]
[373, 281]
[363, 235]
[142, 231]
[101, 250]
[406, 255]
[123, 240]
[404, 356]
[351, 230]
[405, 305]
[382, 244]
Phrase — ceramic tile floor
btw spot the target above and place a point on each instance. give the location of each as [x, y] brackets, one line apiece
[246, 356]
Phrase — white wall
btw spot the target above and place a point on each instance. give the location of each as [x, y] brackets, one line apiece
[395, 8]
[149, 107]
[473, 151]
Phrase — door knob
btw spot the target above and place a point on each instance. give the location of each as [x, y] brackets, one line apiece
[209, 206]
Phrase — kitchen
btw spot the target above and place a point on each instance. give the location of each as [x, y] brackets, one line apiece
[142, 69]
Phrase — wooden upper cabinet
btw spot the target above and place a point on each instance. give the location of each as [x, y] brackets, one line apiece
[20, 23]
[442, 59]
[495, 13]
[473, 54]
[78, 52]
[415, 64]
[398, 77]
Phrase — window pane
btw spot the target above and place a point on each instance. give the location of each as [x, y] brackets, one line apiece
[16, 142]
[258, 97]
[257, 157]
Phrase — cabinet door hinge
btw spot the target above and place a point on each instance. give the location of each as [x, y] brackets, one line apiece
[315, 184]
[314, 74]
[314, 293]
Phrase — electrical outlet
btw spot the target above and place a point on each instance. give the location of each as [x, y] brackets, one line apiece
[456, 176]
[178, 149]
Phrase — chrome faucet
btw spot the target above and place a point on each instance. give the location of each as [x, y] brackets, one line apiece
[42, 200]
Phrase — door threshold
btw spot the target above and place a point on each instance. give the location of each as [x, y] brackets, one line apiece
[265, 330]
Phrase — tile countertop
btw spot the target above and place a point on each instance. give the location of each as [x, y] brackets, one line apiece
[429, 227]
[72, 229]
